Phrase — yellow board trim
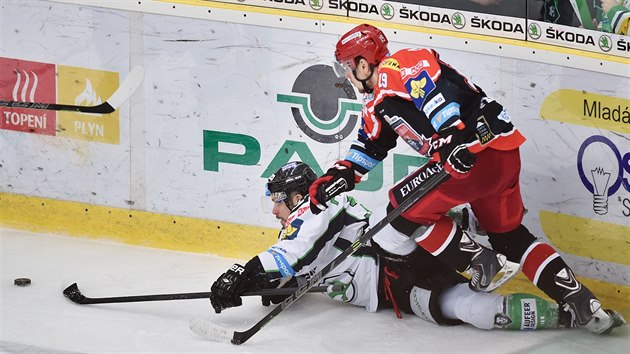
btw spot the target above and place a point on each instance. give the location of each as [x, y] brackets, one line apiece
[587, 237]
[198, 236]
[134, 227]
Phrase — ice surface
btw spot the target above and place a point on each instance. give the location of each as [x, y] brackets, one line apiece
[39, 319]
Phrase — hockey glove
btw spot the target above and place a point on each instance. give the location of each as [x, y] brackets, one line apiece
[450, 150]
[227, 289]
[338, 179]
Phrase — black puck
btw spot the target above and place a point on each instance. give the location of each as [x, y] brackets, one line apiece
[22, 282]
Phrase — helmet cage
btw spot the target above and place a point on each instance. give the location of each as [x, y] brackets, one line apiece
[276, 197]
[341, 69]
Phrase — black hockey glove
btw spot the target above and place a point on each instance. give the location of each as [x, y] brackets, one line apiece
[227, 289]
[338, 179]
[449, 148]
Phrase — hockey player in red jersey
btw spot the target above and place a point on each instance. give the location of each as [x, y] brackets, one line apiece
[415, 95]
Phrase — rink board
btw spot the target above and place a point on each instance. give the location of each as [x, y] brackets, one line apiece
[232, 92]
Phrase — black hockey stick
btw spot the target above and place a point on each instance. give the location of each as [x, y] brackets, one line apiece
[424, 182]
[74, 294]
[124, 91]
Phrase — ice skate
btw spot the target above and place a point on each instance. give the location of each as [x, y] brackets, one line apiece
[582, 309]
[604, 321]
[489, 270]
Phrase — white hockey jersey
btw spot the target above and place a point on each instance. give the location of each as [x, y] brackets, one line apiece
[310, 241]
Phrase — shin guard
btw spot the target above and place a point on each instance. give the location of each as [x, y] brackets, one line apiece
[526, 312]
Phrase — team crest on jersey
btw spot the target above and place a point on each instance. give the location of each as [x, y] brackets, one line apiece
[419, 87]
[291, 230]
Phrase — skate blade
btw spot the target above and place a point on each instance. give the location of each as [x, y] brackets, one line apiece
[615, 320]
[506, 273]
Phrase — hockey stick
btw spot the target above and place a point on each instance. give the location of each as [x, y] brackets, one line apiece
[74, 294]
[583, 13]
[432, 178]
[124, 91]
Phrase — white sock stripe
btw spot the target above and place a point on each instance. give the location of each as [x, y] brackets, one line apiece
[543, 265]
[425, 234]
[529, 249]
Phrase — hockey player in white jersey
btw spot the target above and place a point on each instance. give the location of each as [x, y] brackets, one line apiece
[416, 283]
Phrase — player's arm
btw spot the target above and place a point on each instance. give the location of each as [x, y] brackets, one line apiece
[227, 289]
[300, 244]
[374, 139]
[452, 108]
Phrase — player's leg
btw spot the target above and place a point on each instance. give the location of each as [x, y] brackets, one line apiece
[542, 265]
[546, 269]
[421, 284]
[487, 311]
[427, 223]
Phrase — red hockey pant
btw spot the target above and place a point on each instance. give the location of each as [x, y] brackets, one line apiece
[491, 187]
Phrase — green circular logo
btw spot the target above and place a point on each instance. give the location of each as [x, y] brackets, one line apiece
[316, 4]
[324, 107]
[534, 31]
[458, 20]
[387, 11]
[605, 43]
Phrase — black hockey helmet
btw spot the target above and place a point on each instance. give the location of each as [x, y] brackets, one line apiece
[295, 176]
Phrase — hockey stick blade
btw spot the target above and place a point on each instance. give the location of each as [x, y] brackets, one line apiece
[73, 293]
[124, 91]
[434, 177]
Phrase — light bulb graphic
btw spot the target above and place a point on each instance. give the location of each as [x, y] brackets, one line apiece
[599, 169]
[600, 192]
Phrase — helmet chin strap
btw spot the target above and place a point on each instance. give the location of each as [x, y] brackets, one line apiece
[364, 81]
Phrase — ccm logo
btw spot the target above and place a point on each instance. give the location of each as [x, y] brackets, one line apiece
[439, 142]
